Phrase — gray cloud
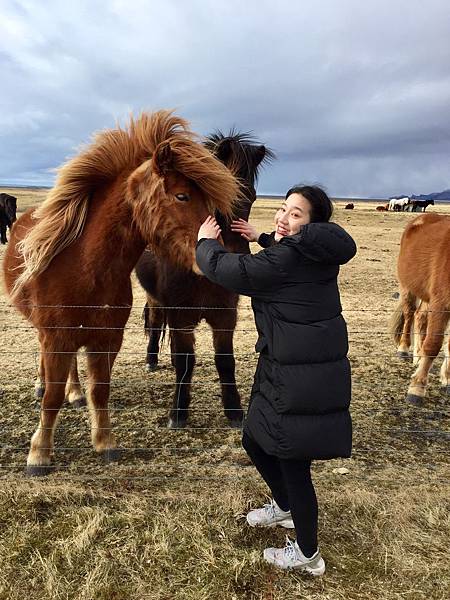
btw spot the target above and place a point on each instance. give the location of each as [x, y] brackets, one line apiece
[353, 95]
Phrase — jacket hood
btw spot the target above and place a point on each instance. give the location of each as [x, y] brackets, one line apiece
[323, 242]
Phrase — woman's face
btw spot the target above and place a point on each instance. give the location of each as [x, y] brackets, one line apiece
[293, 214]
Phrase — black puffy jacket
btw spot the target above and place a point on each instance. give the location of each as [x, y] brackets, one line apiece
[299, 405]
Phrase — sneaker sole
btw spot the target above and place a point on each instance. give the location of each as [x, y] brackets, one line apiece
[314, 572]
[317, 572]
[287, 524]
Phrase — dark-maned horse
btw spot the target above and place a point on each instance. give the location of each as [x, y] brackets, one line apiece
[349, 206]
[150, 184]
[8, 209]
[424, 277]
[419, 205]
[182, 288]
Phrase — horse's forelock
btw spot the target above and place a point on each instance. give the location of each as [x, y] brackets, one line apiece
[218, 184]
[157, 226]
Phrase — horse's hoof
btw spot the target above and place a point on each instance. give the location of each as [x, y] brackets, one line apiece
[177, 424]
[151, 368]
[403, 355]
[79, 402]
[39, 392]
[39, 470]
[415, 399]
[235, 423]
[111, 455]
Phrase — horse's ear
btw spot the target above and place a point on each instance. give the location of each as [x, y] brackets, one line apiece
[223, 150]
[162, 159]
[259, 154]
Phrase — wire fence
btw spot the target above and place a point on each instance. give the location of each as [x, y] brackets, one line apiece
[202, 307]
[388, 435]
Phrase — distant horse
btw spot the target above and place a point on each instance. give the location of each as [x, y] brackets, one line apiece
[350, 206]
[69, 264]
[382, 208]
[8, 208]
[419, 205]
[182, 288]
[399, 204]
[424, 278]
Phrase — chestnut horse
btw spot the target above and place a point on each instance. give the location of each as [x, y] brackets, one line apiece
[68, 266]
[182, 288]
[424, 277]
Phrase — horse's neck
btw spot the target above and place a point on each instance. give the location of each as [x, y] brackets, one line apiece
[234, 242]
[111, 240]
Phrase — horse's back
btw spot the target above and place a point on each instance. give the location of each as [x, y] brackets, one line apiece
[66, 282]
[424, 259]
[424, 227]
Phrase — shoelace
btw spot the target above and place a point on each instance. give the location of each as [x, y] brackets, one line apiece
[290, 551]
[270, 509]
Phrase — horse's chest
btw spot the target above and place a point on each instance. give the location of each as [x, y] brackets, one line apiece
[197, 292]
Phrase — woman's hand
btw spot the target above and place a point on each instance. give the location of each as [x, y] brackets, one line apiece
[246, 230]
[209, 229]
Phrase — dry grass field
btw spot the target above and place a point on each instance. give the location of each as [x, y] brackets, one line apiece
[167, 522]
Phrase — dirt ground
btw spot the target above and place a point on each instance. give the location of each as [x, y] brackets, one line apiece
[384, 523]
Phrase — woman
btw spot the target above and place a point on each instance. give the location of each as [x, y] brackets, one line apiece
[300, 398]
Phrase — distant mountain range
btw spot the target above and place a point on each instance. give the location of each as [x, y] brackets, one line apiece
[436, 196]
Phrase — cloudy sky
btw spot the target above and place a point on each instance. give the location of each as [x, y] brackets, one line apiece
[349, 94]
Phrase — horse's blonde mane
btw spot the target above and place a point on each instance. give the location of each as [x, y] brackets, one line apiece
[62, 215]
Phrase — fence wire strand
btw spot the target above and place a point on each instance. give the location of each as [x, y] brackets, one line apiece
[437, 435]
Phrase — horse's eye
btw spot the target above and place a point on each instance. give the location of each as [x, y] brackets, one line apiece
[182, 197]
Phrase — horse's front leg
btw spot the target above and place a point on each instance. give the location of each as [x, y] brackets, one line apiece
[39, 383]
[56, 366]
[100, 362]
[154, 321]
[3, 238]
[184, 361]
[437, 322]
[225, 365]
[73, 392]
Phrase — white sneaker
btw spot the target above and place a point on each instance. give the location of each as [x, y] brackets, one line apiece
[291, 557]
[270, 515]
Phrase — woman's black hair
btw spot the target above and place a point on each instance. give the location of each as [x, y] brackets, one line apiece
[321, 205]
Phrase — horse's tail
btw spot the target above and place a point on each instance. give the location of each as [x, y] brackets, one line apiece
[397, 322]
[146, 319]
[398, 318]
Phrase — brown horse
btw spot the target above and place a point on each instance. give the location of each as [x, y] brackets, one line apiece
[424, 278]
[68, 266]
[197, 297]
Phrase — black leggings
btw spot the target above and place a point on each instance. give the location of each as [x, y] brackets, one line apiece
[292, 488]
